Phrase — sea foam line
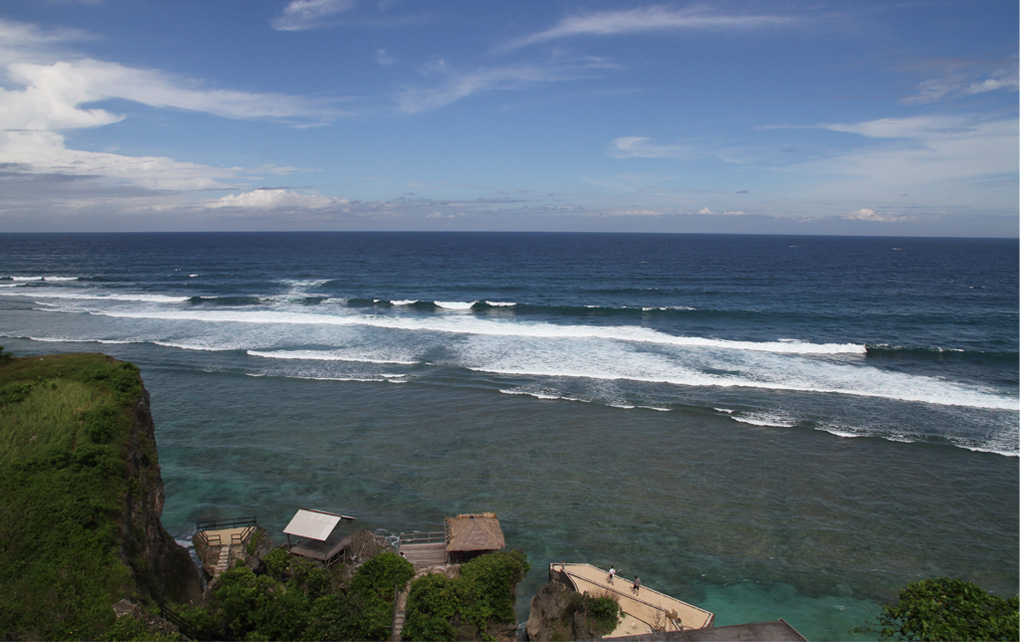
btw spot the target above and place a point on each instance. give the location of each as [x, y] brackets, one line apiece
[38, 293]
[487, 327]
[960, 398]
[320, 355]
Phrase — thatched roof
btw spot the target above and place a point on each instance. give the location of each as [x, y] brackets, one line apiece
[475, 532]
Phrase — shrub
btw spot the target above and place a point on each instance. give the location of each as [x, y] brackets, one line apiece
[260, 605]
[601, 611]
[431, 606]
[381, 575]
[340, 616]
[948, 609]
[482, 596]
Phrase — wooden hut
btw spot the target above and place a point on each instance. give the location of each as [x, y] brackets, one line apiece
[320, 536]
[470, 535]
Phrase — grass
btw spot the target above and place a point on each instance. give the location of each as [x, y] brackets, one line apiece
[64, 431]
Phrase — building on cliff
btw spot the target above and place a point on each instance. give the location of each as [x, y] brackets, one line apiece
[320, 537]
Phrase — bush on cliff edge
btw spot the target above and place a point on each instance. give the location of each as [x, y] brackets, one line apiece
[64, 432]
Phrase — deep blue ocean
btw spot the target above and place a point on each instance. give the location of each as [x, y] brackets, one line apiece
[763, 426]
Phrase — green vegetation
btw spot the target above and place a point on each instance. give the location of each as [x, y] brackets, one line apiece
[65, 426]
[601, 612]
[298, 600]
[948, 609]
[470, 606]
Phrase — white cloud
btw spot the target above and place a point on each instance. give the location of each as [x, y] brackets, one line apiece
[458, 86]
[704, 210]
[926, 150]
[275, 199]
[47, 92]
[958, 84]
[865, 214]
[308, 14]
[643, 147]
[60, 88]
[384, 58]
[652, 19]
[19, 41]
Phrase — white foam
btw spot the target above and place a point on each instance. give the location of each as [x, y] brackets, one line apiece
[500, 304]
[543, 395]
[993, 451]
[455, 305]
[625, 353]
[323, 355]
[345, 378]
[193, 346]
[304, 283]
[874, 384]
[66, 340]
[88, 296]
[402, 302]
[766, 420]
[495, 327]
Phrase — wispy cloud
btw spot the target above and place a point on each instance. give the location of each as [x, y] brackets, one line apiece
[923, 151]
[643, 147]
[455, 85]
[309, 14]
[962, 79]
[48, 91]
[54, 95]
[652, 19]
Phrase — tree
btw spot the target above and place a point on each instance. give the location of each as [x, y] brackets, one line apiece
[948, 609]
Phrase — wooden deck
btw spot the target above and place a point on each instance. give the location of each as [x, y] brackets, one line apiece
[222, 536]
[643, 612]
[425, 554]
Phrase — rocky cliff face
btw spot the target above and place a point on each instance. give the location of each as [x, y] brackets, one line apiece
[553, 618]
[163, 569]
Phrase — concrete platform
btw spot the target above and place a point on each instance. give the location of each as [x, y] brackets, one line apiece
[644, 612]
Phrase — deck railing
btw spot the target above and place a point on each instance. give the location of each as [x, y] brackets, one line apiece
[248, 523]
[422, 537]
[631, 596]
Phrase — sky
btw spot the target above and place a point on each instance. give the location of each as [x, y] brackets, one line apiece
[891, 117]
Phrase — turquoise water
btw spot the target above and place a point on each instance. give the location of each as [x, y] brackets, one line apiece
[764, 427]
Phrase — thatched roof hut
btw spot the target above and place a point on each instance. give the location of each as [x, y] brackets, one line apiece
[472, 534]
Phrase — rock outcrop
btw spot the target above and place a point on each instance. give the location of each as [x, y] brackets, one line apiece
[553, 616]
[163, 569]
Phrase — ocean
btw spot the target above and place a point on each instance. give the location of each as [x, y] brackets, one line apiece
[764, 426]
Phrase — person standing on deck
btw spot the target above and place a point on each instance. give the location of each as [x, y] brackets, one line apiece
[637, 585]
[612, 574]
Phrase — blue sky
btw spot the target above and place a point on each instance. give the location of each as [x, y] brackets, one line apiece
[887, 117]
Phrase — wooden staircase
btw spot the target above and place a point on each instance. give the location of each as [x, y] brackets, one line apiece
[399, 615]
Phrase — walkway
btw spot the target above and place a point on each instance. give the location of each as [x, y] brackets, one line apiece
[643, 612]
[400, 614]
[425, 554]
[228, 541]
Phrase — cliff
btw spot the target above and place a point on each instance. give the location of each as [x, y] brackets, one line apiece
[163, 570]
[80, 499]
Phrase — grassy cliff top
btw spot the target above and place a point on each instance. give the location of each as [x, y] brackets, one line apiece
[65, 424]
